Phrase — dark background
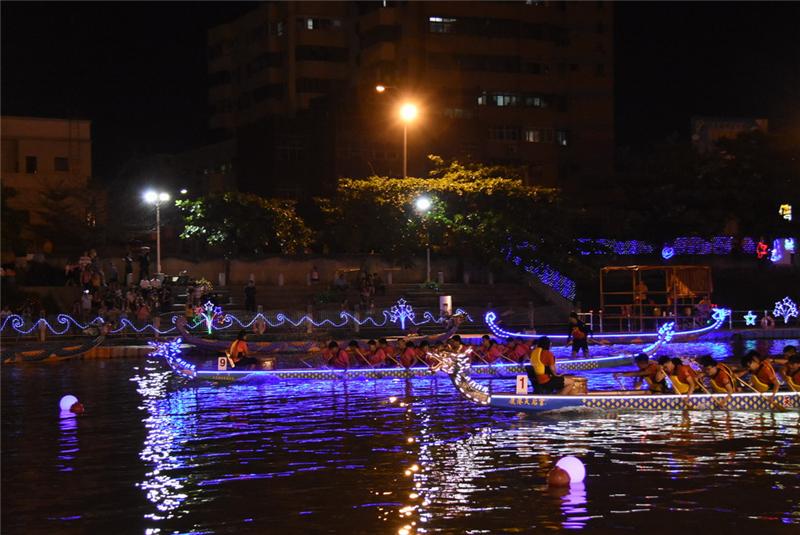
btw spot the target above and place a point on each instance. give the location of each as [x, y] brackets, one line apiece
[138, 70]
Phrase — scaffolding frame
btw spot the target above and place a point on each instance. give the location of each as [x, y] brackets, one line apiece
[686, 296]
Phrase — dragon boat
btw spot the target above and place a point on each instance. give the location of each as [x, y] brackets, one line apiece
[51, 352]
[459, 368]
[718, 317]
[171, 352]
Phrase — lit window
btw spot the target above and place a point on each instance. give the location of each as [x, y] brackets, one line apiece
[482, 99]
[562, 138]
[441, 24]
[532, 135]
[31, 165]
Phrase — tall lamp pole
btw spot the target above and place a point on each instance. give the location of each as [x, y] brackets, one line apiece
[156, 198]
[408, 112]
[423, 205]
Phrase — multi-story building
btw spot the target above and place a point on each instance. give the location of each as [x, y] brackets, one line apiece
[48, 164]
[522, 83]
[707, 131]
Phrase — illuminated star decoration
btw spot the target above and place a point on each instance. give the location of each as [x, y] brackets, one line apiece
[719, 314]
[667, 252]
[750, 318]
[210, 314]
[762, 249]
[167, 350]
[401, 312]
[785, 309]
[777, 251]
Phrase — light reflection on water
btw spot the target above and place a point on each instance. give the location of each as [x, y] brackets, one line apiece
[338, 456]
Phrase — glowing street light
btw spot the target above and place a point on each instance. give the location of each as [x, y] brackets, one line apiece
[423, 204]
[156, 198]
[380, 88]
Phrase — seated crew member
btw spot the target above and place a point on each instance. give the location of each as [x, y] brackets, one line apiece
[721, 377]
[336, 357]
[542, 371]
[788, 351]
[354, 354]
[650, 371]
[490, 351]
[455, 344]
[762, 374]
[792, 373]
[578, 333]
[376, 355]
[682, 376]
[520, 351]
[408, 355]
[238, 352]
[424, 353]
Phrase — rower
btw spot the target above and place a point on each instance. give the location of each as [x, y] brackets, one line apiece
[376, 355]
[542, 371]
[336, 357]
[721, 377]
[455, 344]
[682, 376]
[788, 352]
[762, 374]
[650, 371]
[519, 350]
[490, 351]
[792, 372]
[408, 356]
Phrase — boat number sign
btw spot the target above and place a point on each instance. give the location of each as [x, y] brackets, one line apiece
[522, 384]
[222, 363]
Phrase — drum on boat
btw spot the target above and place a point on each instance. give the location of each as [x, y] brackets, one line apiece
[581, 385]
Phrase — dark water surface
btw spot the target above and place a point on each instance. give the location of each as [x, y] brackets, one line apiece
[154, 456]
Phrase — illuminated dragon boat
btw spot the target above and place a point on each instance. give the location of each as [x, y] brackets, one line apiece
[51, 351]
[171, 352]
[718, 317]
[457, 365]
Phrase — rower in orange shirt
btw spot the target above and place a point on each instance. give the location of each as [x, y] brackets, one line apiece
[721, 377]
[762, 374]
[682, 376]
[791, 372]
[650, 371]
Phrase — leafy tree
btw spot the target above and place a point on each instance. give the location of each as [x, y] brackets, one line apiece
[242, 223]
[477, 212]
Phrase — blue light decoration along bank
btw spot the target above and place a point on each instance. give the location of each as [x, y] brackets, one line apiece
[718, 317]
[459, 368]
[171, 352]
[212, 318]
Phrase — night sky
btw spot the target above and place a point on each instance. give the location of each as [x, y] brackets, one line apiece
[138, 70]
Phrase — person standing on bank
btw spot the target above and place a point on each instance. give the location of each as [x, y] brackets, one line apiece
[250, 296]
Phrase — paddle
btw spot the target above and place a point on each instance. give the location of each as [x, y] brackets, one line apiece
[772, 401]
[720, 404]
[365, 359]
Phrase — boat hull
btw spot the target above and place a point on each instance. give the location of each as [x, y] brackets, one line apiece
[744, 401]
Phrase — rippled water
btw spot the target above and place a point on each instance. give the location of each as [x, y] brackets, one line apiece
[154, 456]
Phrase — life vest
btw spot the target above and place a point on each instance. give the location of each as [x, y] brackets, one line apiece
[793, 380]
[757, 383]
[721, 388]
[577, 333]
[236, 348]
[679, 385]
[539, 369]
[653, 384]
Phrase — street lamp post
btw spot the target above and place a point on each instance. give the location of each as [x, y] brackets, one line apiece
[423, 205]
[152, 197]
[408, 112]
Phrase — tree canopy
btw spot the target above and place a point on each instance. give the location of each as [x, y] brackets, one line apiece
[477, 211]
[242, 223]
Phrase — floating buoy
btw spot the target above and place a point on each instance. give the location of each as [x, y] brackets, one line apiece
[558, 478]
[67, 402]
[573, 467]
[77, 408]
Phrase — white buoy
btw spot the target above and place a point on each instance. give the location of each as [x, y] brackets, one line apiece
[574, 467]
[67, 402]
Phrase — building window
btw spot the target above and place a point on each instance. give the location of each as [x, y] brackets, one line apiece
[601, 27]
[31, 165]
[321, 53]
[441, 25]
[61, 163]
[504, 133]
[91, 217]
[601, 69]
[562, 138]
[318, 24]
[532, 135]
[457, 113]
[505, 100]
[533, 68]
[535, 101]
